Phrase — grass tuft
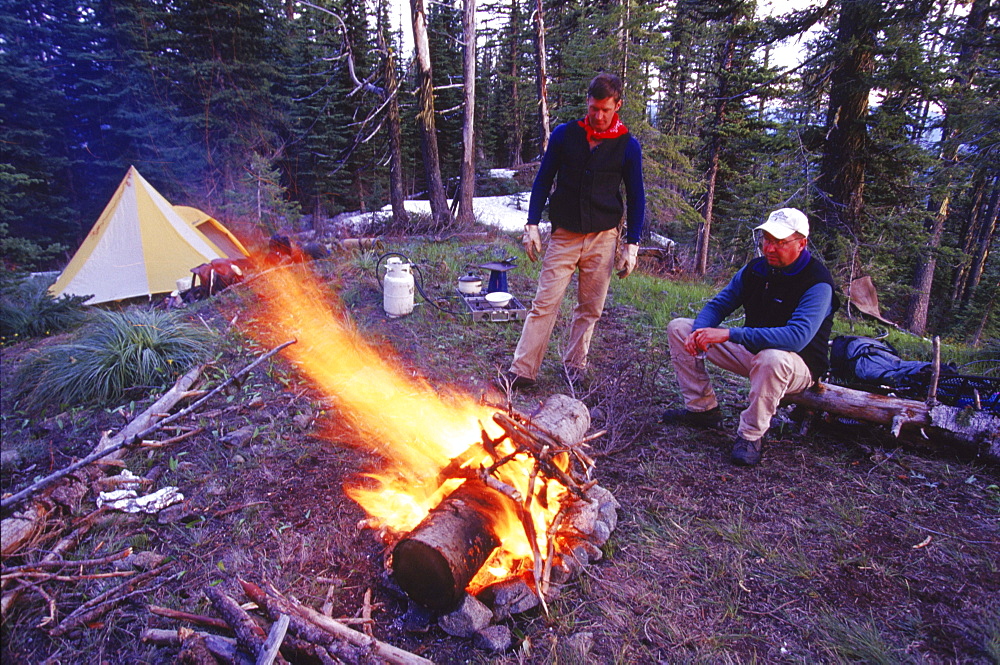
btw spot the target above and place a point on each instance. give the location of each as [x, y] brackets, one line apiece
[27, 310]
[118, 355]
[855, 640]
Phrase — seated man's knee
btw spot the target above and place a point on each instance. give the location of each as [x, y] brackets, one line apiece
[773, 361]
[680, 327]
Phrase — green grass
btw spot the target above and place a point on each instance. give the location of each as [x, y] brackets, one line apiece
[115, 356]
[856, 640]
[27, 310]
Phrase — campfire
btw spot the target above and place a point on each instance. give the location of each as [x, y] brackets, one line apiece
[469, 495]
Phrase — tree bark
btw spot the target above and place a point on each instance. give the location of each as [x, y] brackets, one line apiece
[425, 117]
[516, 138]
[397, 198]
[705, 228]
[542, 78]
[467, 183]
[965, 72]
[977, 433]
[984, 242]
[840, 201]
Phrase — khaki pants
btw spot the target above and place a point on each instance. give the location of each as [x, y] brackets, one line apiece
[594, 255]
[773, 374]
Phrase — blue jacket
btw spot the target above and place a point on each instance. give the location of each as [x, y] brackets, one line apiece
[790, 309]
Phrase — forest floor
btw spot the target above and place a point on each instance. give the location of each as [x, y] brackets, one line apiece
[843, 545]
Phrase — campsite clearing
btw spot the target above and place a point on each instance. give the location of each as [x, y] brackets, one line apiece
[840, 547]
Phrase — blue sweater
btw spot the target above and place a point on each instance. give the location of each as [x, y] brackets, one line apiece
[816, 304]
[552, 163]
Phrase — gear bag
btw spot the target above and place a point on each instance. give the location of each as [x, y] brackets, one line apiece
[875, 364]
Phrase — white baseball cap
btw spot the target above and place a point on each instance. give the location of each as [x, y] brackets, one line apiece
[783, 223]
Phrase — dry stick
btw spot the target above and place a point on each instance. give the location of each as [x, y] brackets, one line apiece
[936, 373]
[49, 599]
[68, 578]
[366, 612]
[98, 606]
[174, 439]
[273, 642]
[529, 442]
[392, 654]
[249, 635]
[51, 478]
[197, 619]
[59, 563]
[81, 529]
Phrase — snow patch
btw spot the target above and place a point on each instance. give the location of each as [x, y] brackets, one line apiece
[506, 213]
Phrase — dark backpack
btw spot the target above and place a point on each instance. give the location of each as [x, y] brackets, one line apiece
[873, 362]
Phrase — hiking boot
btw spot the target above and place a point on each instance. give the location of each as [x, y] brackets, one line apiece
[746, 452]
[510, 380]
[710, 418]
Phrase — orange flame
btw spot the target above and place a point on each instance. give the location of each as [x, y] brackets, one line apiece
[415, 428]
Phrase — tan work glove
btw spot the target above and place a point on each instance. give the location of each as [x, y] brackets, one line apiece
[532, 241]
[628, 257]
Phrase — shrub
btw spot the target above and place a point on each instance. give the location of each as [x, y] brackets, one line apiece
[119, 355]
[27, 310]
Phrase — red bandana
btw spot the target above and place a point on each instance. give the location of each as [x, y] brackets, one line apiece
[616, 129]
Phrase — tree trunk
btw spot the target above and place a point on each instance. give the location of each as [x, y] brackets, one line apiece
[515, 141]
[397, 198]
[969, 233]
[705, 228]
[467, 183]
[840, 202]
[984, 242]
[425, 117]
[542, 76]
[965, 72]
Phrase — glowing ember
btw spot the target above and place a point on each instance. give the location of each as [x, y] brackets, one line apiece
[418, 430]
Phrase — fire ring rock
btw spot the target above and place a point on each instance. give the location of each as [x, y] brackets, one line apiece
[471, 617]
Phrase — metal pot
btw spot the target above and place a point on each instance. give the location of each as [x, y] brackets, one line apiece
[470, 284]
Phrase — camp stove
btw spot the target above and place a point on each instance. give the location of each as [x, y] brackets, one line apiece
[481, 309]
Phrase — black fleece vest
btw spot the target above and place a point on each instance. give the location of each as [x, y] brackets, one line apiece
[587, 196]
[770, 298]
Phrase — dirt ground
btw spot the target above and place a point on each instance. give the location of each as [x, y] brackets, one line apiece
[842, 546]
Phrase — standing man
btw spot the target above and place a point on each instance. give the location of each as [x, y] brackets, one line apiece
[788, 299]
[588, 160]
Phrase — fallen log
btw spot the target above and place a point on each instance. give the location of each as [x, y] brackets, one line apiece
[976, 432]
[222, 647]
[249, 635]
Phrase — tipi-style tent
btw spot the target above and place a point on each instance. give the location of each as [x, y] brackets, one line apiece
[213, 229]
[139, 246]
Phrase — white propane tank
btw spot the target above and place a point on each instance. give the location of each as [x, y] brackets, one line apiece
[397, 288]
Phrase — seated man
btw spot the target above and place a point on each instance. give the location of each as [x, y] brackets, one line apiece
[788, 299]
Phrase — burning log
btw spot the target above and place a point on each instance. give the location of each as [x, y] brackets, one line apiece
[434, 562]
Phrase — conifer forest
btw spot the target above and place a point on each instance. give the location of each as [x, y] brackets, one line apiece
[281, 114]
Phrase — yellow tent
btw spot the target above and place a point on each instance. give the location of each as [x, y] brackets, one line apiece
[213, 229]
[139, 246]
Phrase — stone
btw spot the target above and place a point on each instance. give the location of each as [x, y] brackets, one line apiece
[240, 436]
[507, 597]
[495, 638]
[181, 512]
[143, 560]
[10, 460]
[601, 533]
[583, 516]
[470, 617]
